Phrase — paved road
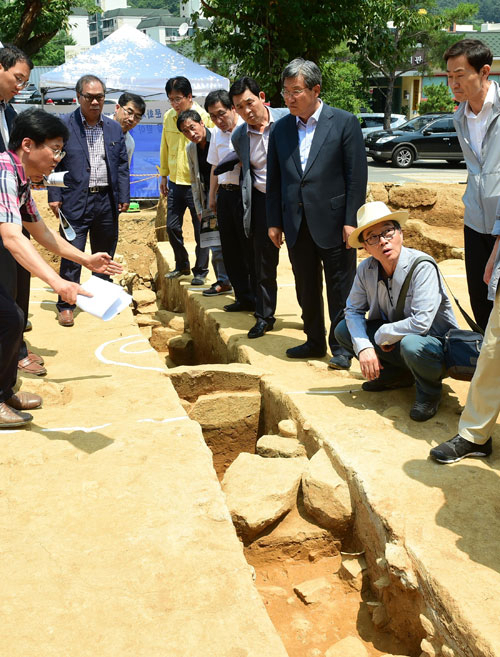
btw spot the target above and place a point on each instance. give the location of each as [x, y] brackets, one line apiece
[435, 171]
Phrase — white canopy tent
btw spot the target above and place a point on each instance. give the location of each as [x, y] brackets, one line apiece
[129, 60]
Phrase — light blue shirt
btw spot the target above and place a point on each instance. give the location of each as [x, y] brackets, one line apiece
[306, 134]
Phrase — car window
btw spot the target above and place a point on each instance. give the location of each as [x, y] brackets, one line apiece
[441, 125]
[415, 124]
[374, 121]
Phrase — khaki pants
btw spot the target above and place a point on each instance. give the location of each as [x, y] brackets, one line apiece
[483, 401]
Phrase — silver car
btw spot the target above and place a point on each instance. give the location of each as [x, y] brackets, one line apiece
[371, 122]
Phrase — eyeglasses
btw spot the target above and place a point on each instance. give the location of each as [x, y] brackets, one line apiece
[219, 115]
[295, 93]
[137, 117]
[21, 83]
[387, 234]
[58, 153]
[91, 97]
[176, 100]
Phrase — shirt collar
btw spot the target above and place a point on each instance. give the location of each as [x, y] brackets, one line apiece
[270, 117]
[19, 167]
[488, 102]
[313, 118]
[86, 125]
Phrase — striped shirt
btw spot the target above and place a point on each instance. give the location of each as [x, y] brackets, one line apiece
[16, 202]
[97, 155]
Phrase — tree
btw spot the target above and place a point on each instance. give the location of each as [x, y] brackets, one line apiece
[52, 53]
[407, 43]
[438, 99]
[261, 36]
[343, 82]
[30, 24]
[172, 6]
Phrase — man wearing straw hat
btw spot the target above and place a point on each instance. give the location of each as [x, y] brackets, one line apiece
[396, 353]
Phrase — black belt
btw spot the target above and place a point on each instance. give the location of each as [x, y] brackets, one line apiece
[230, 188]
[96, 189]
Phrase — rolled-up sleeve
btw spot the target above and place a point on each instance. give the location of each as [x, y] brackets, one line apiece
[355, 311]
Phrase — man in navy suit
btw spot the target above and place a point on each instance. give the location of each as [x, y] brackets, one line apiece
[316, 182]
[97, 182]
[250, 141]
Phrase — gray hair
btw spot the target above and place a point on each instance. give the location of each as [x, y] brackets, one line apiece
[85, 79]
[309, 71]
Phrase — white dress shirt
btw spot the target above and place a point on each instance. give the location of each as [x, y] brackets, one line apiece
[4, 130]
[477, 122]
[220, 147]
[259, 143]
[306, 134]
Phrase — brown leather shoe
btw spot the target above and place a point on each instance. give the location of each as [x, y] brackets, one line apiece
[30, 366]
[10, 418]
[36, 357]
[24, 401]
[65, 318]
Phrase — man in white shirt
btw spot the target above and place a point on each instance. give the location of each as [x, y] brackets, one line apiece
[129, 111]
[478, 129]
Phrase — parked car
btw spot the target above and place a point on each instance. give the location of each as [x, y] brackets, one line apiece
[371, 122]
[61, 97]
[430, 136]
[29, 94]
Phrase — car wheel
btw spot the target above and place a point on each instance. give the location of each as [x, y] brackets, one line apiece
[403, 157]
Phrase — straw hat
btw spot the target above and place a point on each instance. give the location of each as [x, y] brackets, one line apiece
[373, 213]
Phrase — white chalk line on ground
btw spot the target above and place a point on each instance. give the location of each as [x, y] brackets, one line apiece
[319, 392]
[109, 424]
[134, 339]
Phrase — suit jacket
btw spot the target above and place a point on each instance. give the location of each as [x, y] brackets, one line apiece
[330, 190]
[199, 193]
[241, 143]
[77, 164]
[10, 115]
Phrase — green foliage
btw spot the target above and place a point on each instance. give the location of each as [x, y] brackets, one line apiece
[439, 99]
[343, 82]
[30, 24]
[172, 6]
[52, 53]
[260, 37]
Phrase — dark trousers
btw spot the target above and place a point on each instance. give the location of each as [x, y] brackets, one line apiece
[339, 267]
[180, 197]
[236, 249]
[478, 248]
[265, 261]
[11, 335]
[100, 223]
[16, 281]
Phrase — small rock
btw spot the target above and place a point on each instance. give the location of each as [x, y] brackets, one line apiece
[427, 625]
[400, 565]
[380, 617]
[326, 495]
[447, 652]
[351, 646]
[143, 297]
[313, 590]
[161, 336]
[181, 349]
[287, 428]
[147, 320]
[148, 308]
[458, 252]
[427, 648]
[351, 571]
[178, 323]
[279, 447]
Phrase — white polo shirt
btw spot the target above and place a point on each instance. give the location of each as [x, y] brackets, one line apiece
[220, 147]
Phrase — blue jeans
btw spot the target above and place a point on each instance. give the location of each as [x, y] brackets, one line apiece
[218, 265]
[419, 355]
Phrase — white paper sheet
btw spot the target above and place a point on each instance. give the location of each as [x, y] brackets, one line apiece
[109, 299]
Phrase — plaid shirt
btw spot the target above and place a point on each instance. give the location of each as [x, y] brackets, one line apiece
[95, 142]
[16, 202]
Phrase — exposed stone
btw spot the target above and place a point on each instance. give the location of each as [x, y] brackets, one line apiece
[326, 495]
[225, 409]
[147, 320]
[272, 446]
[351, 646]
[313, 591]
[259, 491]
[377, 193]
[382, 583]
[178, 323]
[380, 616]
[427, 648]
[412, 197]
[447, 652]
[400, 565]
[164, 316]
[458, 252]
[161, 336]
[181, 349]
[143, 297]
[351, 571]
[287, 428]
[147, 308]
[427, 625]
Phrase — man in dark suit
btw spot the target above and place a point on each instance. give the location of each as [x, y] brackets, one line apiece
[15, 69]
[97, 182]
[316, 181]
[250, 141]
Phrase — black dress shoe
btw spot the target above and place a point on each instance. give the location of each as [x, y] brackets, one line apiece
[423, 411]
[261, 326]
[339, 362]
[237, 306]
[177, 273]
[305, 351]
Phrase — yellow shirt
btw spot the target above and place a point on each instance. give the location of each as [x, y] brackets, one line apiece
[173, 157]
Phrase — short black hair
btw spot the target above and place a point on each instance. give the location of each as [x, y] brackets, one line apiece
[180, 84]
[128, 97]
[85, 79]
[10, 55]
[38, 125]
[186, 115]
[477, 53]
[241, 85]
[218, 96]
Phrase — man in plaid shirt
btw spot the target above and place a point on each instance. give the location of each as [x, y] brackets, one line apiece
[35, 147]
